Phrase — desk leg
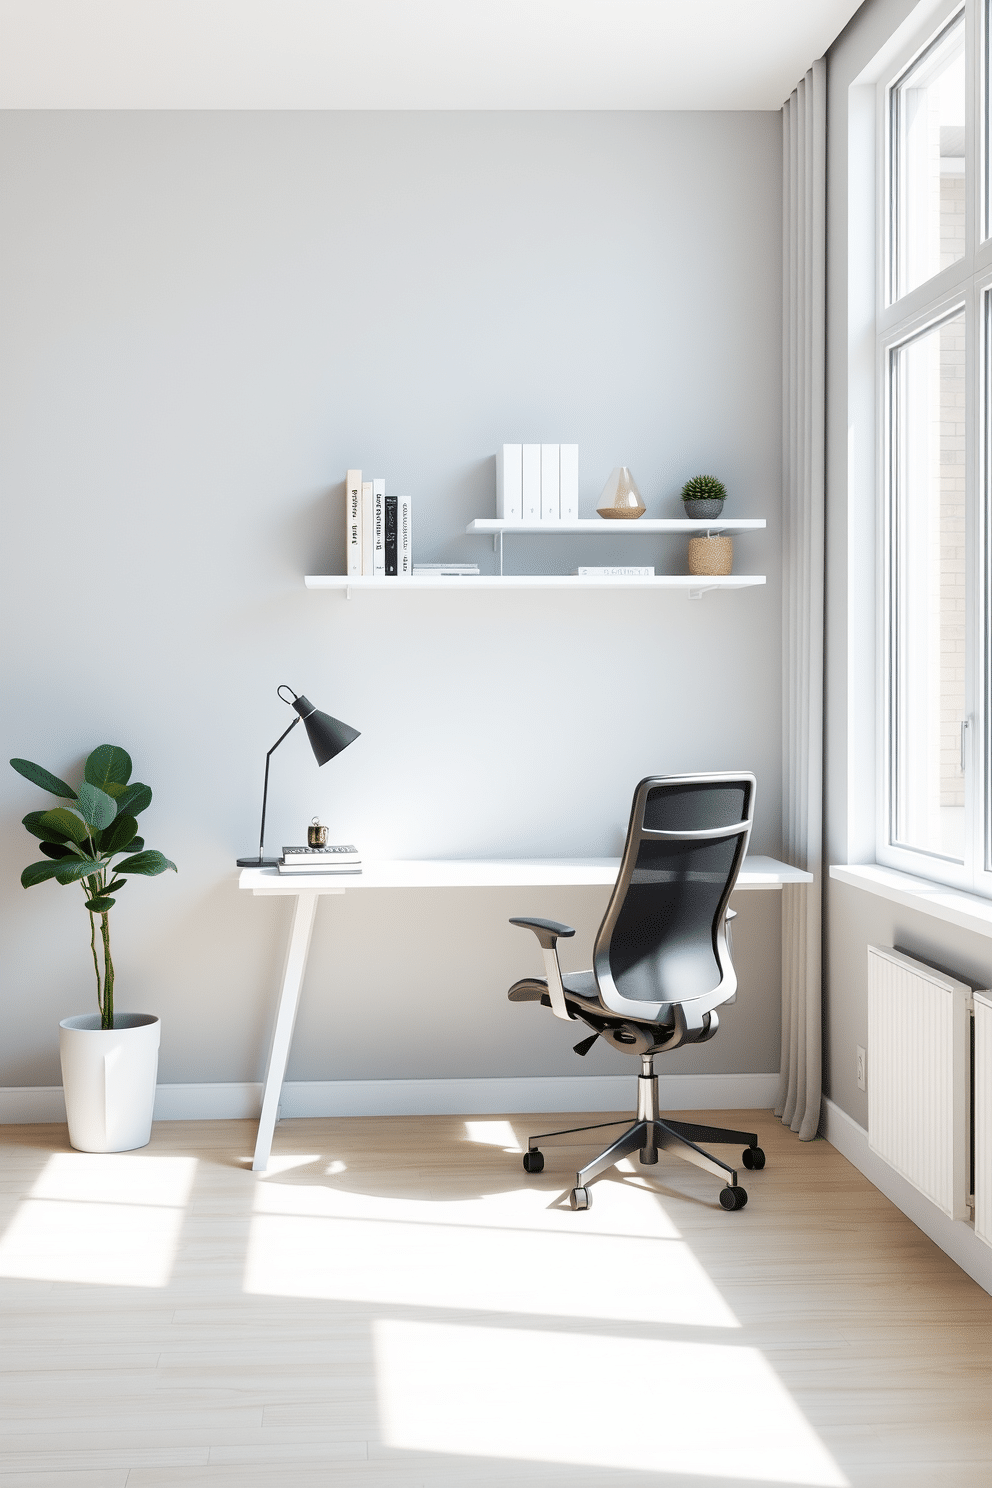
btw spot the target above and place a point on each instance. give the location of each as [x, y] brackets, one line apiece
[282, 1033]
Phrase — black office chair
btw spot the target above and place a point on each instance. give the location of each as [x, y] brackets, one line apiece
[661, 963]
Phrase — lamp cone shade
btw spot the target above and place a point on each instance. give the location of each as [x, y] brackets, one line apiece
[327, 735]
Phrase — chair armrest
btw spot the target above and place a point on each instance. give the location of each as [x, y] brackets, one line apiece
[548, 933]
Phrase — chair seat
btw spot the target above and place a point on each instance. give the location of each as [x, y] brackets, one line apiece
[580, 984]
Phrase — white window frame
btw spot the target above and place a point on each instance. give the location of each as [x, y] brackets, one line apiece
[967, 285]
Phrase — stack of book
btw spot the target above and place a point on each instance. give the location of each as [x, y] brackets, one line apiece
[537, 483]
[378, 534]
[445, 570]
[343, 859]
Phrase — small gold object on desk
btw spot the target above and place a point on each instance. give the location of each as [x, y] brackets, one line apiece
[711, 555]
[620, 496]
[316, 834]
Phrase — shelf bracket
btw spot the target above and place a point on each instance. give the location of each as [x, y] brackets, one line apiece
[347, 591]
[704, 589]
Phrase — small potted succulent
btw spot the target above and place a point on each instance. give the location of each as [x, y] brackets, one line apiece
[109, 1061]
[703, 497]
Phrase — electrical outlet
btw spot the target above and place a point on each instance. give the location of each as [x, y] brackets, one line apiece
[862, 1084]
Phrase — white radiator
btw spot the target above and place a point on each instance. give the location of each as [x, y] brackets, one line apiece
[983, 1117]
[919, 1076]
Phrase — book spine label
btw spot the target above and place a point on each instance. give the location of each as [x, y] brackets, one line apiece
[617, 573]
[550, 494]
[391, 568]
[353, 523]
[379, 528]
[367, 526]
[404, 536]
[531, 466]
[509, 483]
[568, 481]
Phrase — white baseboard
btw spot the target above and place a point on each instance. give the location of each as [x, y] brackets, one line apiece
[955, 1237]
[470, 1097]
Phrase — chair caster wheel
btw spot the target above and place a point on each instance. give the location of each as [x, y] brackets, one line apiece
[581, 1198]
[753, 1157]
[533, 1161]
[733, 1198]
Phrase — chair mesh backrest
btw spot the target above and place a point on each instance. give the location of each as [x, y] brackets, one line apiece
[659, 935]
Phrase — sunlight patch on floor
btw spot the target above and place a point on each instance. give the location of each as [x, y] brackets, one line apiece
[105, 1218]
[458, 1261]
[287, 1163]
[620, 1207]
[493, 1134]
[706, 1409]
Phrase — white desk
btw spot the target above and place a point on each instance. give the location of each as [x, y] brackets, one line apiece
[431, 873]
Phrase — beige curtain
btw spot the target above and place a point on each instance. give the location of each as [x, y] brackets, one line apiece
[803, 375]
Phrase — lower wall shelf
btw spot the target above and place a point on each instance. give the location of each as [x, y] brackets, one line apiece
[692, 584]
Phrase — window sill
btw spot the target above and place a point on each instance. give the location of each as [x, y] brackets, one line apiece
[954, 906]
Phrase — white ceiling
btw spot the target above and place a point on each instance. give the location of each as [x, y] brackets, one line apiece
[410, 54]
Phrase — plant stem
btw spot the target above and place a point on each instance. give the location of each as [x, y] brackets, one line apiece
[108, 974]
[96, 963]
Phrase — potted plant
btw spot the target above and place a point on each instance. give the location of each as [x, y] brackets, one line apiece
[109, 1062]
[703, 496]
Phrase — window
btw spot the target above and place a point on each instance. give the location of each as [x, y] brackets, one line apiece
[934, 362]
[926, 130]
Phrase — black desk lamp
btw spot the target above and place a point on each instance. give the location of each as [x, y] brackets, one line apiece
[327, 735]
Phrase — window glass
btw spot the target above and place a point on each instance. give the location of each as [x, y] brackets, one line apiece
[927, 619]
[928, 180]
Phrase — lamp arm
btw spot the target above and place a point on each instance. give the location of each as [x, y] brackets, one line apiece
[265, 787]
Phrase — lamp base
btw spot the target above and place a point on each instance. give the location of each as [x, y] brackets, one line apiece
[258, 862]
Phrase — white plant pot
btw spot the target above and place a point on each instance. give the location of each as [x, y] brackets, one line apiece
[108, 1077]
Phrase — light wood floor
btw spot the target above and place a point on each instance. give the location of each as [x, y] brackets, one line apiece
[397, 1303]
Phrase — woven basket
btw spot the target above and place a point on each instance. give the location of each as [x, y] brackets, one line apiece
[711, 555]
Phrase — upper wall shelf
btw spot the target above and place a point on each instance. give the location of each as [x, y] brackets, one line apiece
[604, 527]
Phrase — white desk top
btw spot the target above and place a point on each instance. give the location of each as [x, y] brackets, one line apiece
[489, 873]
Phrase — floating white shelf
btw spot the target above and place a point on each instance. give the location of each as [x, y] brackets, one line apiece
[605, 527]
[692, 584]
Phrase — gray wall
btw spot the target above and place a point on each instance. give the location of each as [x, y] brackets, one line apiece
[206, 319]
[855, 918]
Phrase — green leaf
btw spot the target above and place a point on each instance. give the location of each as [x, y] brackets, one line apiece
[147, 863]
[64, 823]
[100, 906]
[133, 798]
[36, 873]
[108, 765]
[38, 775]
[118, 884]
[69, 870]
[37, 828]
[118, 835]
[95, 806]
[56, 850]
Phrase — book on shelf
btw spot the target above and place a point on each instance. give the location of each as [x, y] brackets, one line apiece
[531, 466]
[509, 482]
[379, 529]
[404, 537]
[446, 570]
[550, 497]
[367, 525]
[391, 555]
[537, 483]
[568, 479]
[353, 523]
[616, 572]
[344, 858]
